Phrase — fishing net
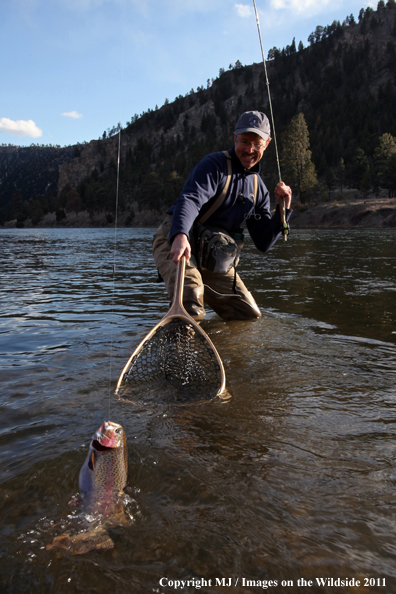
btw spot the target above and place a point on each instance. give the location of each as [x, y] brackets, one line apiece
[178, 354]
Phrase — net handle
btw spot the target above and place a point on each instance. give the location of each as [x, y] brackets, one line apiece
[176, 307]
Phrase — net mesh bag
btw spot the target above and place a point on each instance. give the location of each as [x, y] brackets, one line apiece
[178, 354]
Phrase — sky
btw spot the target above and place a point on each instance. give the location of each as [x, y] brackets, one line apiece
[72, 69]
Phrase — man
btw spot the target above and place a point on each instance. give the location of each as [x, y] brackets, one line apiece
[245, 203]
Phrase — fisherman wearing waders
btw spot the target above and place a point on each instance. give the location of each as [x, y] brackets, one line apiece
[223, 196]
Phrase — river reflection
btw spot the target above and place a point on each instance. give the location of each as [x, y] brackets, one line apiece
[291, 478]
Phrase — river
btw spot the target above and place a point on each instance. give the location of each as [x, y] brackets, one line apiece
[287, 482]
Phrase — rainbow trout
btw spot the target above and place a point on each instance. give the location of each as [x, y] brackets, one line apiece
[102, 480]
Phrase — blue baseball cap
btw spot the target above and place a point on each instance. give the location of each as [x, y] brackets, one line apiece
[254, 121]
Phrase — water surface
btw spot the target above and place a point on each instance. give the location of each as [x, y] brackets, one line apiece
[292, 477]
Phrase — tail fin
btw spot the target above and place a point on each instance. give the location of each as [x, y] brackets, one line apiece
[84, 542]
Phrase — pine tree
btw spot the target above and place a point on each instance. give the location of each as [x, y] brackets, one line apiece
[385, 159]
[74, 201]
[365, 182]
[150, 193]
[357, 168]
[16, 203]
[298, 169]
[341, 174]
[330, 180]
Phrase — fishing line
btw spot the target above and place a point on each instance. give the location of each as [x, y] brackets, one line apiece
[110, 393]
[285, 226]
[268, 90]
[114, 266]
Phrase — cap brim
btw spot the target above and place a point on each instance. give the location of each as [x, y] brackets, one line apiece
[263, 135]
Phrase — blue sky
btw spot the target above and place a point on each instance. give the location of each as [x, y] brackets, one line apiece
[74, 68]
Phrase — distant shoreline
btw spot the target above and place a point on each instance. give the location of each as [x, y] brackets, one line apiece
[83, 220]
[349, 213]
[354, 213]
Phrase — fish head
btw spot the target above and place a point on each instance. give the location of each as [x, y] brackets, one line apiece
[109, 435]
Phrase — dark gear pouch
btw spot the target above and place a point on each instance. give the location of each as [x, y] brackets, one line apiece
[216, 249]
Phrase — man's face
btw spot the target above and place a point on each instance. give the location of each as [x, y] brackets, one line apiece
[249, 148]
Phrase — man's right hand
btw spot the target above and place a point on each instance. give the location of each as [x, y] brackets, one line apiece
[180, 247]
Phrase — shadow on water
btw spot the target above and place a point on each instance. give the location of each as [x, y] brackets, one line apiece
[292, 477]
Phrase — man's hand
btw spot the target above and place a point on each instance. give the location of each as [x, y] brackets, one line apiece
[180, 247]
[283, 194]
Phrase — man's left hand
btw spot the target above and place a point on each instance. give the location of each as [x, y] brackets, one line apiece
[283, 194]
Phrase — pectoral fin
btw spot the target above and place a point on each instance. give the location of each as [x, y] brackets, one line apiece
[91, 463]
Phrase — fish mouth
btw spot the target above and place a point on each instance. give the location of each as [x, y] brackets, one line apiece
[99, 446]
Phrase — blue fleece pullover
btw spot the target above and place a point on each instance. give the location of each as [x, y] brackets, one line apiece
[206, 181]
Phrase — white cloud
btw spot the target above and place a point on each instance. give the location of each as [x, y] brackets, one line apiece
[72, 114]
[20, 128]
[244, 10]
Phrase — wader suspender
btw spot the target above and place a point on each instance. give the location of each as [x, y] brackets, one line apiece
[220, 199]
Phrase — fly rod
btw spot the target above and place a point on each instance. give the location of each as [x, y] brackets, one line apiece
[285, 226]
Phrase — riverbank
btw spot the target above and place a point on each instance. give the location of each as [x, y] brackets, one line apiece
[352, 211]
[84, 219]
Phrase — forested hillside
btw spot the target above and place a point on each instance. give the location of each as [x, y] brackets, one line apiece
[343, 83]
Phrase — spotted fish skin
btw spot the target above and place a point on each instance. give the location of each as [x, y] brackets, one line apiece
[102, 480]
[104, 474]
